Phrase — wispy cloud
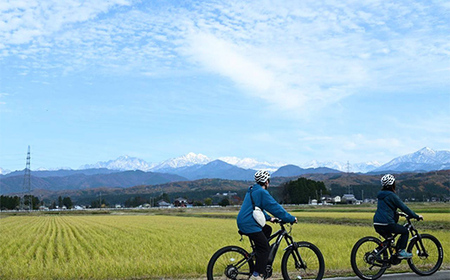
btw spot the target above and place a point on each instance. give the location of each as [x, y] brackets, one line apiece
[27, 21]
[290, 54]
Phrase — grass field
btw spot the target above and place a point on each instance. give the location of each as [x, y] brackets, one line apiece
[144, 245]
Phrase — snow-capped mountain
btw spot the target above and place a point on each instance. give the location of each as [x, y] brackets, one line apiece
[184, 161]
[249, 163]
[121, 163]
[362, 167]
[4, 171]
[425, 159]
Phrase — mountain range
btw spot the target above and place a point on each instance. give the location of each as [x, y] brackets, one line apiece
[188, 160]
[117, 174]
[425, 159]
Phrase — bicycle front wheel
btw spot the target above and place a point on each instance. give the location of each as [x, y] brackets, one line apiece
[365, 262]
[303, 261]
[230, 262]
[427, 254]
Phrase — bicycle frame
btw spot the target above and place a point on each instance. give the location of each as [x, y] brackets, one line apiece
[387, 245]
[279, 236]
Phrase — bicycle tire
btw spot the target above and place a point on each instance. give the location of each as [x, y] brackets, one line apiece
[310, 254]
[363, 258]
[231, 262]
[428, 262]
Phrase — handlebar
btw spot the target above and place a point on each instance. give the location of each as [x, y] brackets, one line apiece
[279, 221]
[408, 217]
[402, 214]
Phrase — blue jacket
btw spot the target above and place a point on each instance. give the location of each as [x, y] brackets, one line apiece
[266, 202]
[388, 203]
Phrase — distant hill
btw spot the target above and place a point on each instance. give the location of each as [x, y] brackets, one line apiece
[122, 163]
[126, 179]
[62, 172]
[411, 186]
[200, 188]
[221, 169]
[293, 170]
[214, 169]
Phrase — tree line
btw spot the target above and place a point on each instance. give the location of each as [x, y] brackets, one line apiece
[31, 202]
[299, 191]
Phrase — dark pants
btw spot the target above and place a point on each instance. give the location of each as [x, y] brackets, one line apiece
[386, 231]
[262, 248]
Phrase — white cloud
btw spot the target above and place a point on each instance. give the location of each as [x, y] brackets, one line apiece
[236, 63]
[25, 21]
[304, 54]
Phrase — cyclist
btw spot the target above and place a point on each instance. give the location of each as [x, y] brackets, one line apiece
[386, 217]
[248, 225]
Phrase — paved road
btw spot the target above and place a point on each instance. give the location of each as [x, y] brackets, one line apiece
[440, 275]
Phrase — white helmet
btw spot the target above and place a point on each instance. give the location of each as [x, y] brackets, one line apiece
[387, 180]
[262, 176]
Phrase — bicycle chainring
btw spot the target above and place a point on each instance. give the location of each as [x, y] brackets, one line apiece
[395, 260]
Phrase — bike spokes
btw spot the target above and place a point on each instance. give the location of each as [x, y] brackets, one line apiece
[366, 262]
[304, 262]
[230, 263]
[427, 255]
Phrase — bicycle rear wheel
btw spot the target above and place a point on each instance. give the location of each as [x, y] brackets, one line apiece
[365, 262]
[230, 262]
[304, 262]
[428, 258]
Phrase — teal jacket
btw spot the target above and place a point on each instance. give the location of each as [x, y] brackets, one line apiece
[388, 203]
[266, 202]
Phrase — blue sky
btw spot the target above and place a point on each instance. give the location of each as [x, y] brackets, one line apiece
[277, 81]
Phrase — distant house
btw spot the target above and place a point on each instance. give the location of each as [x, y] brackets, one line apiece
[180, 202]
[326, 199]
[349, 199]
[232, 197]
[336, 199]
[370, 200]
[163, 204]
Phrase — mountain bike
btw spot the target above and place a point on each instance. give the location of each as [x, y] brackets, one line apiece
[371, 257]
[301, 260]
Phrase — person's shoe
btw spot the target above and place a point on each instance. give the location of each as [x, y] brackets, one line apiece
[404, 255]
[253, 277]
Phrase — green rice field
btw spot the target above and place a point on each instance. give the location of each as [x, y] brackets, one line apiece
[170, 244]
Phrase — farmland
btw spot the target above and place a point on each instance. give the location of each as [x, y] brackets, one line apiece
[172, 243]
